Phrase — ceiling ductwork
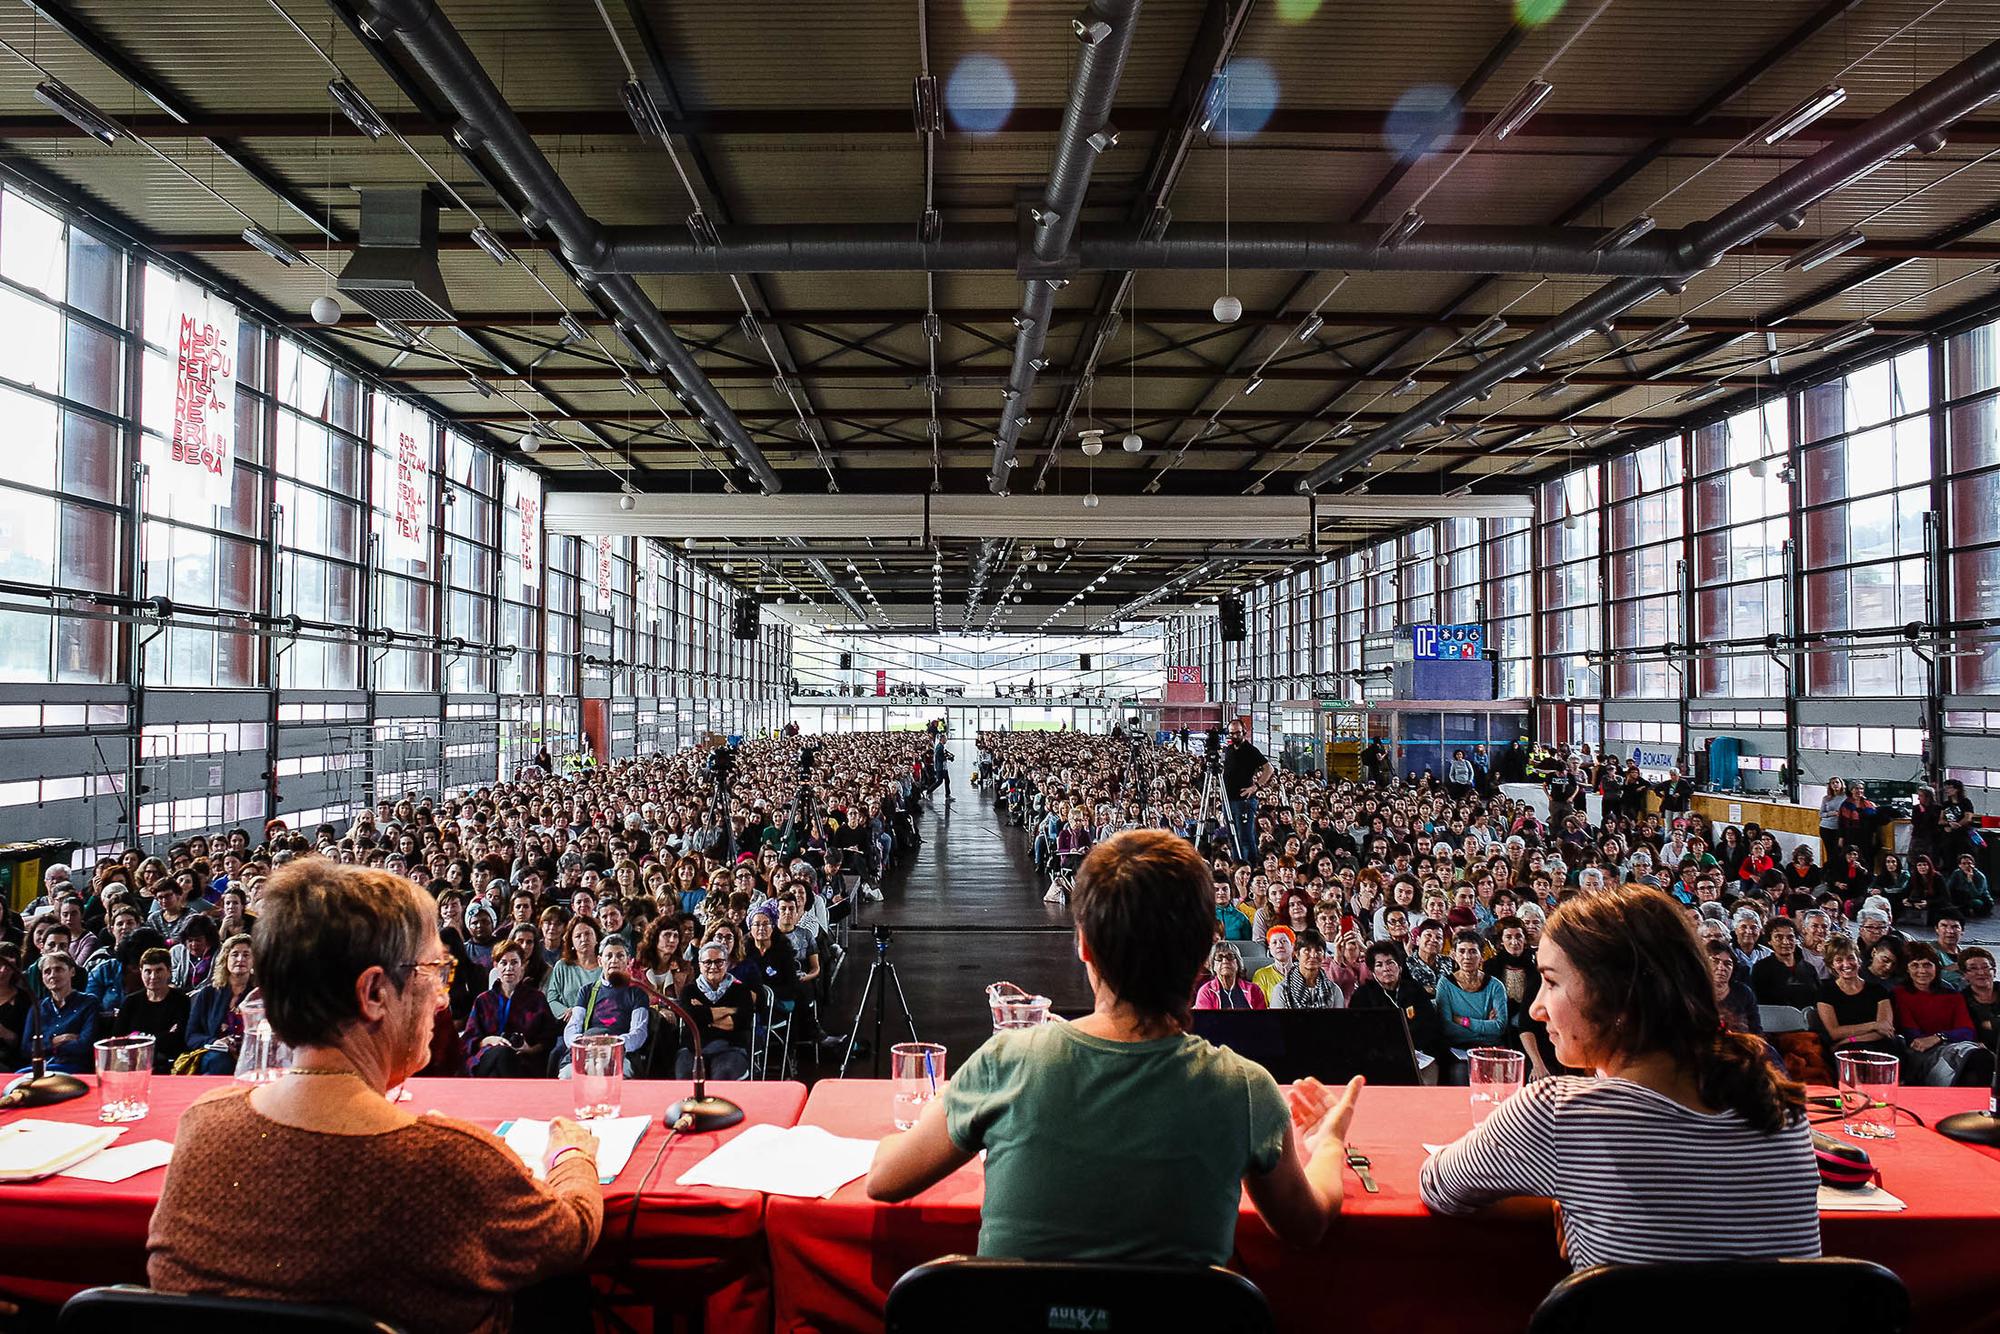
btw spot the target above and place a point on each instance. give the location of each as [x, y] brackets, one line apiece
[1105, 33]
[995, 247]
[488, 126]
[394, 272]
[1910, 123]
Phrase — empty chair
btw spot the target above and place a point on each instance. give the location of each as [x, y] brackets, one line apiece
[959, 1294]
[1781, 1019]
[1843, 1296]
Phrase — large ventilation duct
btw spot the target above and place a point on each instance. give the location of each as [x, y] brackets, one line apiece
[394, 272]
[990, 247]
[1918, 117]
[1105, 30]
[488, 124]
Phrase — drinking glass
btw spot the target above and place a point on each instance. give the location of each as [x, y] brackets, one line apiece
[125, 1077]
[1868, 1093]
[1497, 1075]
[597, 1074]
[916, 1070]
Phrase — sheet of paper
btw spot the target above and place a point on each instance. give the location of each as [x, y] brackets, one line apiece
[1866, 1200]
[805, 1161]
[32, 1149]
[617, 1136]
[123, 1160]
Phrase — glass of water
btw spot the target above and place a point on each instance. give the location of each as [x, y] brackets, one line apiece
[916, 1070]
[1868, 1082]
[1496, 1075]
[125, 1077]
[597, 1074]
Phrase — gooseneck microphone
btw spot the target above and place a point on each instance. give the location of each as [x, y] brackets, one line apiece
[39, 1088]
[700, 1112]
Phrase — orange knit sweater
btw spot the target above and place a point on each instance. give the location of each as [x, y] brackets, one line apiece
[431, 1227]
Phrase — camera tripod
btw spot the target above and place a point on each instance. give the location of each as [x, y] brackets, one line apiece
[1213, 791]
[878, 965]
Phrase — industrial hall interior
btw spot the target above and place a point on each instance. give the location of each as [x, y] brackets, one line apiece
[994, 665]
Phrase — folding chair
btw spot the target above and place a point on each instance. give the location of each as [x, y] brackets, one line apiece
[962, 1295]
[771, 1028]
[1844, 1297]
[121, 1309]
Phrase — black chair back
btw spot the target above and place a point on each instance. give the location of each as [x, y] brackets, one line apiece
[1843, 1296]
[963, 1295]
[122, 1309]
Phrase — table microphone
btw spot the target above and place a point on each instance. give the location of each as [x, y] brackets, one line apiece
[1978, 1127]
[700, 1112]
[39, 1088]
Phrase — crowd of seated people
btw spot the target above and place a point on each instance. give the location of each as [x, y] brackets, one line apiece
[722, 889]
[1402, 893]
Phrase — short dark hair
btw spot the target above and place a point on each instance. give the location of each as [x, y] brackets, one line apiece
[1310, 939]
[322, 926]
[1144, 905]
[156, 956]
[1920, 951]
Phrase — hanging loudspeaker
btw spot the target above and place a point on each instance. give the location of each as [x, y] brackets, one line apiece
[747, 618]
[847, 662]
[1083, 662]
[1233, 631]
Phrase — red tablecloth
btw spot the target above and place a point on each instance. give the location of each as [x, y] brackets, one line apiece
[833, 1261]
[697, 1246]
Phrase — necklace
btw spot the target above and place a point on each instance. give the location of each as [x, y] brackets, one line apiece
[317, 1070]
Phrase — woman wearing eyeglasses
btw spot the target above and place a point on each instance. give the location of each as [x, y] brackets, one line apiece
[215, 1019]
[355, 976]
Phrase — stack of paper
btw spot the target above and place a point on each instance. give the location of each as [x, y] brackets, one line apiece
[1863, 1200]
[31, 1149]
[800, 1160]
[617, 1136]
[122, 1160]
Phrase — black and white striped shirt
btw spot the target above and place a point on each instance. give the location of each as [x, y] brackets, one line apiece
[1639, 1177]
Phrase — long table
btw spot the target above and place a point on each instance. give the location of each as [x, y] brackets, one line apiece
[697, 1249]
[833, 1261]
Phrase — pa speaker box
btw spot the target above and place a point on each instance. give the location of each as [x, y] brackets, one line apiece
[1233, 629]
[1083, 662]
[847, 662]
[748, 618]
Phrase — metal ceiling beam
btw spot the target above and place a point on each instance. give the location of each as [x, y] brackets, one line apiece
[1932, 108]
[181, 117]
[993, 377]
[1706, 113]
[806, 123]
[422, 33]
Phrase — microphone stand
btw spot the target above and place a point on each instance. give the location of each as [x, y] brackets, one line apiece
[699, 1112]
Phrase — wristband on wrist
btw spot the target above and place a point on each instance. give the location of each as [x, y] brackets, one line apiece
[557, 1156]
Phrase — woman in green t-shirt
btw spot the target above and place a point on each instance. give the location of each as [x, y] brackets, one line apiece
[1122, 1136]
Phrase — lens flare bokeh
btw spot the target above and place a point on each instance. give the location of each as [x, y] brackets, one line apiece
[1297, 11]
[979, 95]
[1534, 13]
[1420, 117]
[1242, 97]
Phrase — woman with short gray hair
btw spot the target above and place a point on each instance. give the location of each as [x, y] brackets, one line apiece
[352, 973]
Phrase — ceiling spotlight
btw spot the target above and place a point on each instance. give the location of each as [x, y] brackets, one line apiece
[1788, 123]
[489, 240]
[75, 108]
[1227, 310]
[643, 110]
[271, 245]
[1401, 230]
[1103, 141]
[358, 109]
[1310, 329]
[1833, 247]
[1256, 383]
[1525, 104]
[1629, 233]
[573, 330]
[1487, 332]
[1089, 28]
[1407, 387]
[1133, 443]
[325, 310]
[479, 387]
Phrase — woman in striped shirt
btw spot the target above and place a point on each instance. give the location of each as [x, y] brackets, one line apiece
[1687, 1145]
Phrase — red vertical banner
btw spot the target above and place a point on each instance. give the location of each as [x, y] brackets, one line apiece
[881, 680]
[200, 456]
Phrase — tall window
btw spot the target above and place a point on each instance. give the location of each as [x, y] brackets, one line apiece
[321, 541]
[1643, 539]
[1459, 550]
[1740, 532]
[1972, 453]
[471, 562]
[1571, 528]
[1865, 464]
[405, 473]
[1510, 603]
[62, 307]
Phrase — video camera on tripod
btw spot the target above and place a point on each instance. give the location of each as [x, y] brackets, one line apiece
[721, 767]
